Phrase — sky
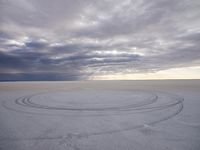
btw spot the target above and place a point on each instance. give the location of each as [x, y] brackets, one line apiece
[99, 40]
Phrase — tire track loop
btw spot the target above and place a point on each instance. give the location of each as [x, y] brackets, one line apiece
[70, 139]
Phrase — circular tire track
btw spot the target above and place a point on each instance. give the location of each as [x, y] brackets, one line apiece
[27, 102]
[155, 102]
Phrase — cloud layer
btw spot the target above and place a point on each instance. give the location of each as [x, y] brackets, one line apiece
[80, 39]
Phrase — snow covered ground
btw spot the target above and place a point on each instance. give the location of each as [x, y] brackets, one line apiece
[100, 115]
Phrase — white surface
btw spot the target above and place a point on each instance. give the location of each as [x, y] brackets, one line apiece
[90, 115]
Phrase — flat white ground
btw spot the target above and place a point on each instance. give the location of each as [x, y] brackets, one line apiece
[100, 115]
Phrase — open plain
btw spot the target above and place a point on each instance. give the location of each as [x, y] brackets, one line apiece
[100, 115]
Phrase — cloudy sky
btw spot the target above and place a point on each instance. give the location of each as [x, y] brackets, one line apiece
[104, 39]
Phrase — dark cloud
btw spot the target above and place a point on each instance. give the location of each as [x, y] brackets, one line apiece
[74, 39]
[48, 76]
[36, 44]
[10, 61]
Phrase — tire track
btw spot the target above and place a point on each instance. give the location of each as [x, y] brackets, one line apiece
[151, 104]
[26, 101]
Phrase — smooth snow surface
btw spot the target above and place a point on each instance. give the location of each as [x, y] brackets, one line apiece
[100, 115]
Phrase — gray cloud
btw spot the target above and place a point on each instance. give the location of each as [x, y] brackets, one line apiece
[75, 39]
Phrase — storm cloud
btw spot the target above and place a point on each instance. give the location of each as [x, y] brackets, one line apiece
[79, 39]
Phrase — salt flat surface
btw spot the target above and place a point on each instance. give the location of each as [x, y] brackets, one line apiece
[100, 115]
